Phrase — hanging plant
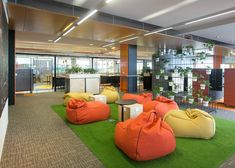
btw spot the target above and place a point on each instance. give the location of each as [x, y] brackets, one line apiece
[208, 70]
[210, 45]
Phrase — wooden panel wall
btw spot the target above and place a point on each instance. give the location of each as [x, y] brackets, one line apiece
[217, 59]
[229, 87]
[124, 49]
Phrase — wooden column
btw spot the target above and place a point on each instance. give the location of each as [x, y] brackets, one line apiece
[217, 59]
[128, 63]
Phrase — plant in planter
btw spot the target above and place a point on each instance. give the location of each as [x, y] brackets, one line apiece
[190, 99]
[206, 101]
[162, 71]
[89, 71]
[210, 44]
[158, 90]
[190, 49]
[74, 70]
[194, 77]
[166, 77]
[158, 75]
[171, 83]
[175, 88]
[156, 56]
[204, 84]
[171, 95]
[199, 96]
[208, 70]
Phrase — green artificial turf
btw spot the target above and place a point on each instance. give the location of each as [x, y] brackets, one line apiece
[189, 153]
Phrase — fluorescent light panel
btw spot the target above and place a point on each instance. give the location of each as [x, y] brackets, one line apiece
[86, 17]
[132, 38]
[169, 9]
[68, 31]
[210, 17]
[158, 31]
[57, 39]
[107, 1]
[108, 45]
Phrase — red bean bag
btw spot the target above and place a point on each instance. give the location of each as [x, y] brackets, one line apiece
[164, 105]
[150, 105]
[145, 137]
[140, 98]
[82, 112]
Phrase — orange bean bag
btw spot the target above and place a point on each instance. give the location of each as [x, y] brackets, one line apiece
[82, 112]
[145, 137]
[150, 105]
[140, 98]
[164, 105]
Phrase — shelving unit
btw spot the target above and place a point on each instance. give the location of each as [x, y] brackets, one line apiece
[179, 75]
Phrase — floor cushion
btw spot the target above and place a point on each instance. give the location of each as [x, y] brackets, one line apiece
[193, 123]
[164, 105]
[111, 94]
[140, 98]
[82, 112]
[76, 95]
[146, 137]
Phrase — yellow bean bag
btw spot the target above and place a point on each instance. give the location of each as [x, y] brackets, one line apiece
[76, 95]
[111, 94]
[192, 123]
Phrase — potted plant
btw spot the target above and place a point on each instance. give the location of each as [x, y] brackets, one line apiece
[208, 70]
[166, 77]
[199, 96]
[74, 70]
[194, 78]
[190, 99]
[89, 71]
[162, 71]
[204, 84]
[175, 88]
[158, 75]
[171, 83]
[171, 95]
[210, 44]
[158, 91]
[156, 56]
[206, 101]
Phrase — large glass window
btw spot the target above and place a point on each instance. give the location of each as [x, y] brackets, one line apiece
[84, 62]
[106, 66]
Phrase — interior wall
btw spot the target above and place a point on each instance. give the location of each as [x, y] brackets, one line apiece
[3, 127]
[3, 76]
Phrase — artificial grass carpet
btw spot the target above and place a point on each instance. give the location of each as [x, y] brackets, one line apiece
[189, 153]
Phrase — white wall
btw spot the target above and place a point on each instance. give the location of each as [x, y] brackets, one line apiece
[3, 127]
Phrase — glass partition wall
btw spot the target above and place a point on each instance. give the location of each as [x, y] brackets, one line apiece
[49, 70]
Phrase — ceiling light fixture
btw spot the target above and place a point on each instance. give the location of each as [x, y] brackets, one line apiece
[132, 38]
[210, 17]
[87, 16]
[107, 1]
[108, 45]
[57, 39]
[68, 31]
[50, 40]
[158, 31]
[91, 44]
[169, 9]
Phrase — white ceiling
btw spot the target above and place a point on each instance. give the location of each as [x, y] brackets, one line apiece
[170, 12]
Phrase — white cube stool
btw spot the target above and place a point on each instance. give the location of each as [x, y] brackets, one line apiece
[130, 111]
[100, 98]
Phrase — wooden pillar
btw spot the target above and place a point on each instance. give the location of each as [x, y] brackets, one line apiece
[128, 64]
[217, 59]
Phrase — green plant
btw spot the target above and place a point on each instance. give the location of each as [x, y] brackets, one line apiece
[206, 82]
[74, 69]
[190, 97]
[170, 93]
[210, 44]
[157, 90]
[199, 94]
[207, 98]
[189, 48]
[89, 71]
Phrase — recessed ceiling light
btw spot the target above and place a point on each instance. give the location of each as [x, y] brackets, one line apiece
[57, 39]
[132, 38]
[158, 31]
[107, 1]
[91, 44]
[87, 16]
[113, 48]
[218, 37]
[50, 40]
[108, 45]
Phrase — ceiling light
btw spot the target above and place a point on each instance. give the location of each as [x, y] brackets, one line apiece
[113, 48]
[158, 31]
[91, 44]
[86, 17]
[210, 17]
[50, 40]
[108, 45]
[107, 1]
[132, 38]
[166, 10]
[57, 39]
[69, 30]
